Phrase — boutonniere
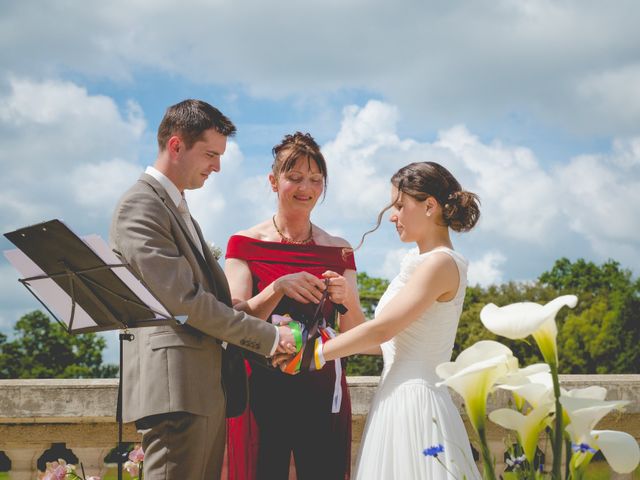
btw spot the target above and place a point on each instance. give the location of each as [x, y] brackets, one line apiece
[215, 251]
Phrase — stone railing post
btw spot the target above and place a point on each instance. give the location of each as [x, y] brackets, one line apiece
[23, 461]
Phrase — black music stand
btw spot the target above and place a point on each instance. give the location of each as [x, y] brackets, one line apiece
[86, 285]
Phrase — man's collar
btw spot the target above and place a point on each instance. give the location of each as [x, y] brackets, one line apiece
[168, 185]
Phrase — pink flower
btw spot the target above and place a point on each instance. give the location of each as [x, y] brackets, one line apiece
[93, 478]
[56, 470]
[132, 468]
[136, 455]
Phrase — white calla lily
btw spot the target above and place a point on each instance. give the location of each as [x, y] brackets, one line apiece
[517, 380]
[585, 413]
[521, 376]
[473, 375]
[527, 426]
[519, 320]
[594, 392]
[535, 388]
[475, 372]
[619, 448]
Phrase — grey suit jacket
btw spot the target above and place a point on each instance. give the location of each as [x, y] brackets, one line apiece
[177, 367]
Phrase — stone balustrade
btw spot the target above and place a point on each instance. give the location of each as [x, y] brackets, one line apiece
[79, 415]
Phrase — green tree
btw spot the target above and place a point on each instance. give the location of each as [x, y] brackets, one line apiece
[43, 349]
[370, 290]
[600, 335]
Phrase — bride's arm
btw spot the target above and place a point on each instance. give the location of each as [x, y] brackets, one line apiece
[435, 278]
[377, 350]
[302, 287]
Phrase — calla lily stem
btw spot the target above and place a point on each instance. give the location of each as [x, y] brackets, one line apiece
[557, 429]
[487, 459]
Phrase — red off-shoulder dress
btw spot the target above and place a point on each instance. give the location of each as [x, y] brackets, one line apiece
[308, 414]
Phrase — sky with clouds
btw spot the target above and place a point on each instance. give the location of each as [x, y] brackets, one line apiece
[533, 105]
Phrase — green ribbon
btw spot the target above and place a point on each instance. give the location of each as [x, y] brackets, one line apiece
[296, 330]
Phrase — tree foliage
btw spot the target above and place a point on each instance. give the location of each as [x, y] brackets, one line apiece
[43, 349]
[600, 335]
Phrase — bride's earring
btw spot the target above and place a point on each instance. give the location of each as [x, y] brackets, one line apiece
[428, 212]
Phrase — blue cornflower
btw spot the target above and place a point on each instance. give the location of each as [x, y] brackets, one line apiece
[433, 451]
[582, 448]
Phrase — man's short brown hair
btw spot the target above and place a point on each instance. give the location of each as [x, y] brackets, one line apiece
[190, 119]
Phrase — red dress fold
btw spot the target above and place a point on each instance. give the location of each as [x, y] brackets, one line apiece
[290, 414]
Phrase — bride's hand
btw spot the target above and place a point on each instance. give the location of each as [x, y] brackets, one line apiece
[337, 285]
[302, 287]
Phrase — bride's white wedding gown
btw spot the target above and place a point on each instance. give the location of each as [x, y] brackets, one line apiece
[409, 413]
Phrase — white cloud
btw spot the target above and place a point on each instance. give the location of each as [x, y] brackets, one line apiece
[599, 196]
[570, 64]
[64, 150]
[612, 93]
[64, 154]
[97, 186]
[365, 152]
[513, 186]
[528, 210]
[486, 271]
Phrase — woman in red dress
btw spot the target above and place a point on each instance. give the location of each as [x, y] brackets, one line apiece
[282, 266]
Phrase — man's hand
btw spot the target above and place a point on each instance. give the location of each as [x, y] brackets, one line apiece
[292, 364]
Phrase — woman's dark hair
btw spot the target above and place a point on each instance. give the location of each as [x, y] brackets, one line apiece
[420, 180]
[293, 147]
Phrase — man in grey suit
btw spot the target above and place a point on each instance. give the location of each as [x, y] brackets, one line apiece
[172, 378]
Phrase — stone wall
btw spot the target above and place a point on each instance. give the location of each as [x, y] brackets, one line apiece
[80, 415]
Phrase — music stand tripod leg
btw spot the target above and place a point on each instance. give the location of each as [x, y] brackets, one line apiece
[122, 454]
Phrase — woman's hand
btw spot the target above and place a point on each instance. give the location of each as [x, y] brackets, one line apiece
[338, 287]
[302, 287]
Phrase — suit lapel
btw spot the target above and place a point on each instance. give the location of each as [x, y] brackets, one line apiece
[224, 295]
[166, 199]
[209, 264]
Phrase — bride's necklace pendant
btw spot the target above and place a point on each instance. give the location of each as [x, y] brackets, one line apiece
[286, 239]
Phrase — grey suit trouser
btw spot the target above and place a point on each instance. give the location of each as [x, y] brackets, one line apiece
[181, 445]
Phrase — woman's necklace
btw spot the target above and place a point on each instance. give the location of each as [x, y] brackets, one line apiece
[286, 239]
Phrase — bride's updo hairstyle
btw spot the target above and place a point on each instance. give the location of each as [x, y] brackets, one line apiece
[296, 146]
[420, 180]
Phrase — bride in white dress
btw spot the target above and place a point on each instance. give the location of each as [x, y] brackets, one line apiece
[415, 327]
